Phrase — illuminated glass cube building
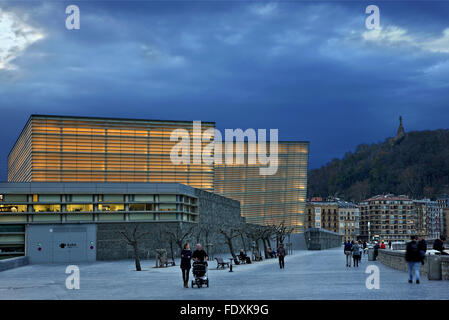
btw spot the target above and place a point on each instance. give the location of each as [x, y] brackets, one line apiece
[86, 149]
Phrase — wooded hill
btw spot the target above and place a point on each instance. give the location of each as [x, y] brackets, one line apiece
[417, 166]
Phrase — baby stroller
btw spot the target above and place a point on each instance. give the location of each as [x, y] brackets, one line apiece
[199, 270]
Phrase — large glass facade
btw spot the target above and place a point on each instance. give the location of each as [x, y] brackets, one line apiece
[78, 149]
[269, 199]
[74, 149]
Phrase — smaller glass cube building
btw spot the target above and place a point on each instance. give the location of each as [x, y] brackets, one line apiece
[48, 203]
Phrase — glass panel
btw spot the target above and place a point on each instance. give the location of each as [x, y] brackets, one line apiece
[15, 198]
[111, 207]
[47, 208]
[80, 207]
[82, 198]
[49, 198]
[167, 207]
[141, 207]
[144, 197]
[112, 197]
[13, 208]
[168, 216]
[167, 198]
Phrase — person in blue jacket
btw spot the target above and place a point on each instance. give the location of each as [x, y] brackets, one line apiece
[186, 257]
[348, 252]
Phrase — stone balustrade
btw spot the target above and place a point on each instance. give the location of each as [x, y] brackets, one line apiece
[396, 259]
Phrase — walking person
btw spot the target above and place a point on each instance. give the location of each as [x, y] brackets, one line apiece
[422, 247]
[348, 252]
[389, 244]
[376, 250]
[361, 251]
[356, 254]
[364, 247]
[186, 256]
[281, 255]
[413, 258]
[199, 254]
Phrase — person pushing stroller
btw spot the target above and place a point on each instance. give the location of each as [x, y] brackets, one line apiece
[199, 255]
[199, 269]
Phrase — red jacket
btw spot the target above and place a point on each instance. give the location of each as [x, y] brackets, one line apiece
[382, 246]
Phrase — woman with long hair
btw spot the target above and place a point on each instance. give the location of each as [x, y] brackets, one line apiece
[186, 256]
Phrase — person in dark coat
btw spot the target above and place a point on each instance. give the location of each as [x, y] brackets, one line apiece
[199, 254]
[356, 253]
[422, 247]
[186, 256]
[438, 245]
[413, 258]
[347, 249]
[281, 255]
[376, 250]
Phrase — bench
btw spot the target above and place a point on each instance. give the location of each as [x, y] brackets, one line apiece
[221, 264]
[164, 262]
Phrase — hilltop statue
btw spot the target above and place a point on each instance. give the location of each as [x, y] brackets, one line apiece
[400, 135]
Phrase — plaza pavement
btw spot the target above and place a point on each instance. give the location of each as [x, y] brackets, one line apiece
[307, 275]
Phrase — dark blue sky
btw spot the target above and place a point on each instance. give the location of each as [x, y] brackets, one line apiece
[310, 69]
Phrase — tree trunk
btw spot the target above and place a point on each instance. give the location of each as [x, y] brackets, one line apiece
[179, 244]
[198, 236]
[172, 253]
[136, 256]
[269, 243]
[257, 248]
[231, 247]
[206, 235]
[243, 243]
[265, 249]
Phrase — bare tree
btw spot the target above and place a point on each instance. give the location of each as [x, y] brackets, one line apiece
[242, 237]
[281, 231]
[257, 233]
[267, 232]
[132, 239]
[177, 236]
[229, 233]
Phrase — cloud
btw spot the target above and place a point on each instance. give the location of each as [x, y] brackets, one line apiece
[264, 9]
[162, 59]
[440, 44]
[389, 35]
[15, 37]
[393, 35]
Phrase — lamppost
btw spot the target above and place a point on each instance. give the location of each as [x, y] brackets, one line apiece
[209, 251]
[253, 247]
[369, 232]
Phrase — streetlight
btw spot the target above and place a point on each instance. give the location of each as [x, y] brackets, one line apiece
[209, 246]
[369, 232]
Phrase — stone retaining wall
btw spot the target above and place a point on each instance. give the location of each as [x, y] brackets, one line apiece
[320, 239]
[396, 260]
[214, 212]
